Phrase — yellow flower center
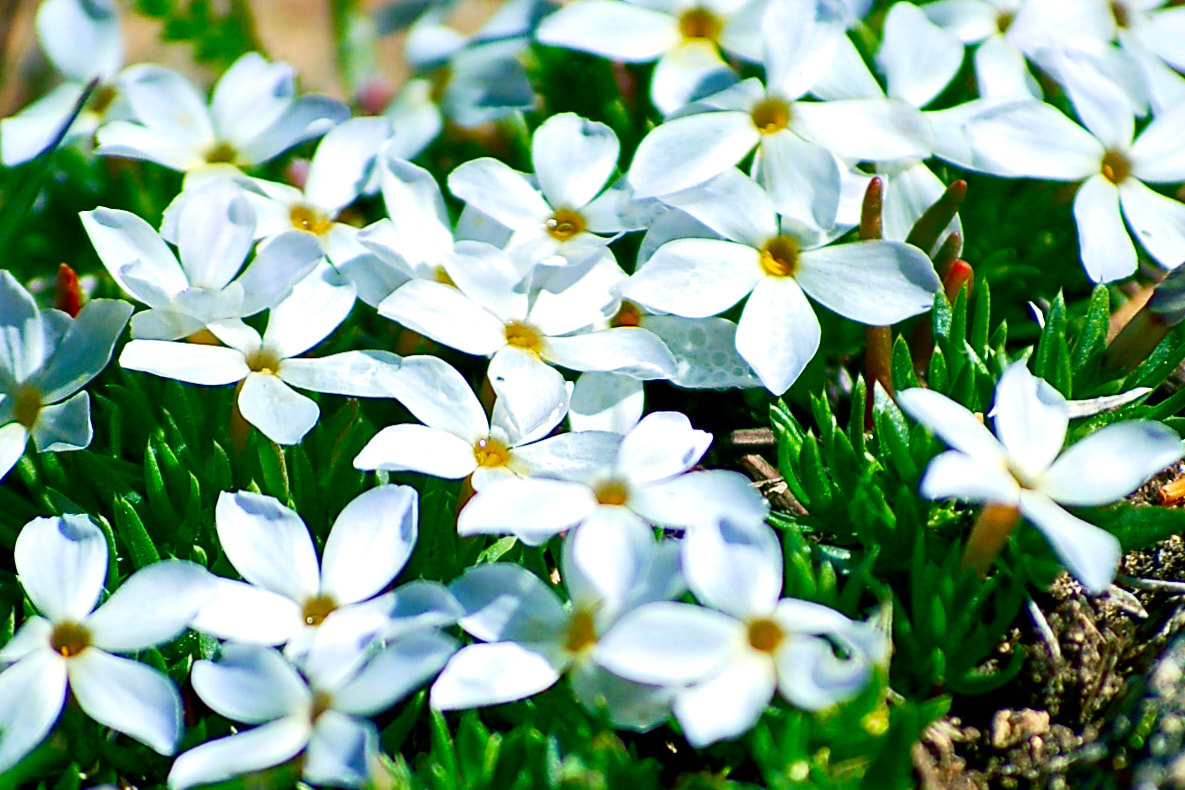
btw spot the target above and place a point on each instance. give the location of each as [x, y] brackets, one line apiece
[222, 153]
[523, 336]
[317, 608]
[1119, 12]
[102, 98]
[700, 23]
[26, 405]
[771, 115]
[69, 639]
[627, 315]
[305, 218]
[264, 361]
[1004, 21]
[490, 452]
[779, 256]
[564, 224]
[582, 632]
[441, 276]
[322, 701]
[1116, 167]
[765, 635]
[612, 492]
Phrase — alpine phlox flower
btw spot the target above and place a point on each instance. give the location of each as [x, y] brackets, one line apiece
[649, 480]
[727, 658]
[1022, 468]
[213, 228]
[457, 440]
[686, 38]
[316, 707]
[70, 645]
[253, 116]
[46, 357]
[288, 595]
[82, 39]
[268, 366]
[777, 262]
[530, 637]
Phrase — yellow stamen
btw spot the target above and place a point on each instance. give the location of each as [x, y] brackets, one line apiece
[627, 315]
[700, 24]
[317, 608]
[490, 452]
[779, 256]
[771, 115]
[69, 639]
[612, 492]
[564, 224]
[1116, 167]
[264, 361]
[222, 153]
[305, 218]
[26, 405]
[582, 632]
[523, 336]
[765, 635]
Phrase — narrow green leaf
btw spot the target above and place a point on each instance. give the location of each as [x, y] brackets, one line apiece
[141, 550]
[903, 374]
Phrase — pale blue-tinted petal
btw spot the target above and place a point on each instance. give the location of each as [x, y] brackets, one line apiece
[22, 339]
[279, 412]
[778, 333]
[628, 705]
[190, 362]
[1032, 139]
[611, 29]
[341, 750]
[603, 563]
[279, 264]
[872, 129]
[1089, 553]
[316, 306]
[64, 426]
[695, 278]
[250, 96]
[630, 350]
[731, 204]
[662, 445]
[802, 178]
[32, 635]
[700, 498]
[358, 374]
[1158, 222]
[729, 702]
[506, 602]
[268, 544]
[1106, 248]
[62, 563]
[606, 402]
[670, 643]
[1111, 463]
[167, 104]
[952, 423]
[28, 133]
[127, 696]
[130, 140]
[439, 396]
[416, 448]
[32, 692]
[250, 684]
[304, 119]
[370, 543]
[245, 752]
[153, 605]
[577, 455]
[573, 159]
[687, 71]
[490, 674]
[919, 58]
[812, 677]
[1030, 418]
[446, 315]
[402, 667]
[705, 352]
[954, 475]
[215, 233]
[1002, 73]
[85, 349]
[13, 438]
[1156, 154]
[245, 613]
[81, 38]
[499, 192]
[736, 568]
[533, 509]
[874, 282]
[688, 151]
[343, 162]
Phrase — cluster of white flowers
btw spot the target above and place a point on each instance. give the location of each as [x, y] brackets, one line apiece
[528, 277]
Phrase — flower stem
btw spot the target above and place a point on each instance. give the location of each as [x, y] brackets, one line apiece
[989, 535]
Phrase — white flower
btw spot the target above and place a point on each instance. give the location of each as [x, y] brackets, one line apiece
[457, 440]
[46, 357]
[289, 594]
[684, 37]
[317, 708]
[531, 638]
[62, 563]
[1023, 465]
[214, 231]
[649, 480]
[82, 39]
[563, 217]
[268, 366]
[776, 263]
[1031, 139]
[749, 644]
[254, 115]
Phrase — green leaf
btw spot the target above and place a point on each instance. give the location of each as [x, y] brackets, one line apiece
[141, 550]
[981, 318]
[1092, 339]
[1137, 526]
[903, 374]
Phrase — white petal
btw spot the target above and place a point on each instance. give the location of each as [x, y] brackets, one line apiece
[802, 178]
[268, 544]
[874, 282]
[954, 475]
[736, 569]
[688, 151]
[1111, 463]
[533, 509]
[1090, 554]
[82, 39]
[728, 703]
[603, 564]
[343, 162]
[305, 118]
[919, 58]
[85, 349]
[127, 696]
[250, 684]
[778, 333]
[168, 105]
[490, 674]
[908, 194]
[64, 426]
[120, 238]
[419, 229]
[62, 563]
[970, 20]
[1002, 73]
[440, 397]
[359, 374]
[661, 446]
[499, 192]
[1156, 154]
[279, 412]
[577, 455]
[1157, 221]
[506, 602]
[190, 362]
[245, 752]
[121, 138]
[397, 671]
[34, 634]
[522, 414]
[670, 643]
[695, 278]
[606, 402]
[417, 606]
[446, 315]
[153, 605]
[1106, 249]
[873, 129]
[573, 159]
[611, 29]
[704, 350]
[1031, 139]
[215, 232]
[416, 448]
[250, 96]
[631, 350]
[13, 438]
[1098, 99]
[812, 677]
[733, 205]
[28, 133]
[1030, 418]
[952, 423]
[802, 50]
[370, 542]
[245, 613]
[628, 705]
[341, 751]
[689, 70]
[32, 692]
[700, 498]
[279, 264]
[316, 306]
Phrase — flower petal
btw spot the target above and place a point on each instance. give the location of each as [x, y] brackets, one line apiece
[250, 684]
[1111, 463]
[573, 159]
[728, 703]
[504, 195]
[268, 544]
[614, 30]
[688, 71]
[402, 667]
[244, 752]
[245, 613]
[127, 696]
[358, 374]
[1030, 418]
[303, 119]
[874, 282]
[153, 605]
[1031, 139]
[370, 543]
[215, 233]
[669, 643]
[62, 563]
[606, 402]
[343, 162]
[1106, 248]
[440, 397]
[954, 475]
[952, 423]
[82, 39]
[506, 602]
[121, 238]
[688, 151]
[280, 413]
[919, 58]
[32, 693]
[872, 129]
[341, 751]
[446, 315]
[490, 674]
[533, 509]
[661, 446]
[812, 677]
[1090, 554]
[189, 362]
[695, 278]
[736, 568]
[64, 426]
[1158, 222]
[700, 498]
[630, 350]
[416, 448]
[13, 439]
[778, 333]
[85, 349]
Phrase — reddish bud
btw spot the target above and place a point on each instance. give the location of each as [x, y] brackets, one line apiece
[67, 291]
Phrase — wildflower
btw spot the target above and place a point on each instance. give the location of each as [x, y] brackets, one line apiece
[62, 564]
[253, 116]
[728, 660]
[776, 263]
[316, 708]
[46, 357]
[1022, 471]
[530, 638]
[214, 230]
[288, 594]
[649, 481]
